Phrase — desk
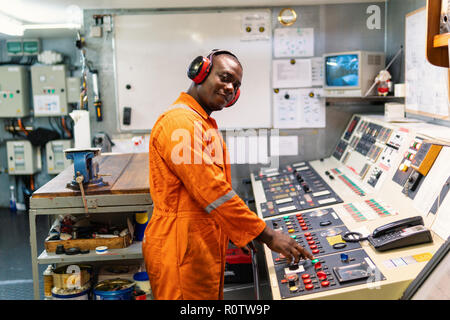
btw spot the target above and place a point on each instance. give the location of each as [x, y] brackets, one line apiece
[127, 191]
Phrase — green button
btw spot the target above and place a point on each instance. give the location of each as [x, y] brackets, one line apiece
[11, 95]
[294, 236]
[314, 261]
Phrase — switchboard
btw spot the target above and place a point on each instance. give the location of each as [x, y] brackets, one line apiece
[294, 188]
[375, 174]
[56, 160]
[49, 90]
[14, 88]
[23, 157]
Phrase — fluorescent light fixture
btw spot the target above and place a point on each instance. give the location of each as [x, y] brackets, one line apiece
[46, 26]
[10, 26]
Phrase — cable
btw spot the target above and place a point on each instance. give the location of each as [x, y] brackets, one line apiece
[63, 122]
[19, 122]
[350, 237]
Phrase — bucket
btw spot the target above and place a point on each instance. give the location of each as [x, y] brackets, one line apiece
[114, 289]
[71, 294]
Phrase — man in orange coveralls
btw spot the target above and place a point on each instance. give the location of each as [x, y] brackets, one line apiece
[196, 212]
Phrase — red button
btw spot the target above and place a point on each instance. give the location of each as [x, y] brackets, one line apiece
[302, 224]
[298, 215]
[318, 265]
[309, 287]
[307, 234]
[321, 275]
[304, 228]
[301, 221]
[309, 238]
[305, 276]
[325, 283]
[315, 251]
[307, 281]
[313, 246]
[311, 242]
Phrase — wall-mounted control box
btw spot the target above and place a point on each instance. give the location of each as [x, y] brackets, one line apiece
[14, 88]
[23, 157]
[49, 90]
[56, 160]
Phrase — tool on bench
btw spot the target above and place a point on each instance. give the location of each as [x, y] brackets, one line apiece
[85, 171]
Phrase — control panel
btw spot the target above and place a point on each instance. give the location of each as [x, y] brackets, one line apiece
[415, 165]
[14, 88]
[56, 160]
[379, 174]
[330, 272]
[49, 90]
[294, 188]
[23, 157]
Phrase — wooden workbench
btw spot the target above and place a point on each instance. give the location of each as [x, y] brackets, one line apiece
[127, 191]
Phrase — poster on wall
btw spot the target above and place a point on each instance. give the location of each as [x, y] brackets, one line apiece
[293, 42]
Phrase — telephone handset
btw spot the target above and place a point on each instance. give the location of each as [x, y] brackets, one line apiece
[398, 234]
[397, 225]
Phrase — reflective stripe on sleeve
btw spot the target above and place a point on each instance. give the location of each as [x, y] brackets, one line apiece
[217, 203]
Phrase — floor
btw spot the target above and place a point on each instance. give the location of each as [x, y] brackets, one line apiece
[16, 281]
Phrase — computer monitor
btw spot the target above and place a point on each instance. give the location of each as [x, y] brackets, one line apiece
[352, 73]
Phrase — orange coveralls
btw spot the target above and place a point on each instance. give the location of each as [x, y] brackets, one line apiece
[196, 211]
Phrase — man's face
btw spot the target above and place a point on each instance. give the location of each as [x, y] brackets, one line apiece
[220, 87]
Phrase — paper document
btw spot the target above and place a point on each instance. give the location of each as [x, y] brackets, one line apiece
[293, 42]
[291, 75]
[299, 108]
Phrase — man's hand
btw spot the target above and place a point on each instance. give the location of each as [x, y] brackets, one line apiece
[284, 244]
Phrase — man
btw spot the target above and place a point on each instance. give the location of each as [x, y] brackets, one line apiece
[196, 212]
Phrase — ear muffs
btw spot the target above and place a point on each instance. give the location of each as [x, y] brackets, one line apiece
[200, 68]
[236, 97]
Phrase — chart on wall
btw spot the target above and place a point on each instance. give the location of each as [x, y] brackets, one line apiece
[153, 51]
[426, 85]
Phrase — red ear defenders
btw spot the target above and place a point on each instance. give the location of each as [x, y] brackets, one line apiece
[200, 68]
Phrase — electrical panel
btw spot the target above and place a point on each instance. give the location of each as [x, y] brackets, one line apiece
[25, 47]
[23, 157]
[14, 88]
[73, 89]
[56, 160]
[49, 90]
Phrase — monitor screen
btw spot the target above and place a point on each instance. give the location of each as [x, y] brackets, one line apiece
[342, 70]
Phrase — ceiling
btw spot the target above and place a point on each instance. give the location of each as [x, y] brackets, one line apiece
[59, 11]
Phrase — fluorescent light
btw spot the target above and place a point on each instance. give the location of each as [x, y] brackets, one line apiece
[47, 26]
[10, 26]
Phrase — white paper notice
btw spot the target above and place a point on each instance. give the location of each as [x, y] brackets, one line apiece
[46, 104]
[284, 145]
[312, 108]
[298, 108]
[286, 111]
[293, 42]
[256, 26]
[291, 75]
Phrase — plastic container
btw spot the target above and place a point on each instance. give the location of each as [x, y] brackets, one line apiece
[66, 294]
[114, 289]
[141, 224]
[141, 280]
